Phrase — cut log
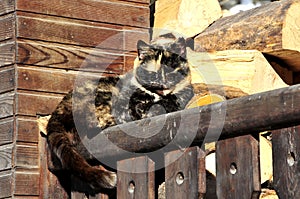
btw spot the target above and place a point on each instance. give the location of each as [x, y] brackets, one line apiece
[247, 70]
[272, 29]
[186, 17]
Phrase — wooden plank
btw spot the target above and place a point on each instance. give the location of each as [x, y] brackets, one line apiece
[33, 104]
[39, 79]
[6, 104]
[136, 178]
[27, 182]
[286, 151]
[27, 130]
[68, 31]
[7, 53]
[185, 174]
[238, 174]
[273, 110]
[271, 29]
[7, 130]
[6, 156]
[5, 184]
[50, 187]
[102, 11]
[7, 6]
[7, 27]
[27, 155]
[7, 79]
[132, 35]
[68, 57]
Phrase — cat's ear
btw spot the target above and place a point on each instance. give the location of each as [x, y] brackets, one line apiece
[181, 47]
[142, 49]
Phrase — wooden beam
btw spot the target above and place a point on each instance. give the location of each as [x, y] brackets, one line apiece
[272, 29]
[250, 114]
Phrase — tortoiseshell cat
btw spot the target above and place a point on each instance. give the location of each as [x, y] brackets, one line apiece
[161, 77]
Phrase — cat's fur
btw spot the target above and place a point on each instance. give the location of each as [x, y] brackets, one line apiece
[161, 77]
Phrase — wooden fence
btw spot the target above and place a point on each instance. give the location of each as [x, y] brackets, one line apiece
[237, 149]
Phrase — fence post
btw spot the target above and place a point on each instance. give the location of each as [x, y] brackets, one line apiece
[132, 184]
[185, 174]
[238, 174]
[286, 167]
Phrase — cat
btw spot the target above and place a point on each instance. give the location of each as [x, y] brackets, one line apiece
[159, 83]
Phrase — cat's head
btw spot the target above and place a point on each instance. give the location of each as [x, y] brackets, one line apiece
[162, 68]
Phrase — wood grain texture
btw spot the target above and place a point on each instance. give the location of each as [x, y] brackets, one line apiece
[27, 130]
[27, 183]
[27, 155]
[238, 174]
[286, 153]
[6, 104]
[33, 104]
[7, 27]
[39, 79]
[5, 180]
[185, 174]
[7, 6]
[247, 70]
[114, 12]
[7, 79]
[61, 30]
[7, 53]
[272, 29]
[136, 178]
[69, 57]
[7, 130]
[186, 18]
[6, 156]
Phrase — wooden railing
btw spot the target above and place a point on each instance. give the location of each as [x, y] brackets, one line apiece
[235, 125]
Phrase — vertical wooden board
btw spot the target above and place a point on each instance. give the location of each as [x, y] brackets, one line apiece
[27, 183]
[7, 53]
[185, 174]
[102, 11]
[7, 130]
[286, 164]
[7, 27]
[33, 104]
[68, 57]
[49, 184]
[7, 6]
[68, 31]
[7, 78]
[238, 174]
[132, 184]
[27, 130]
[5, 184]
[7, 104]
[6, 156]
[27, 155]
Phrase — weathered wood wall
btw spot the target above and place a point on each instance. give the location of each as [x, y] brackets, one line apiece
[43, 45]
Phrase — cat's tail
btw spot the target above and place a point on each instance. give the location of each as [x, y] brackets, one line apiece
[71, 160]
